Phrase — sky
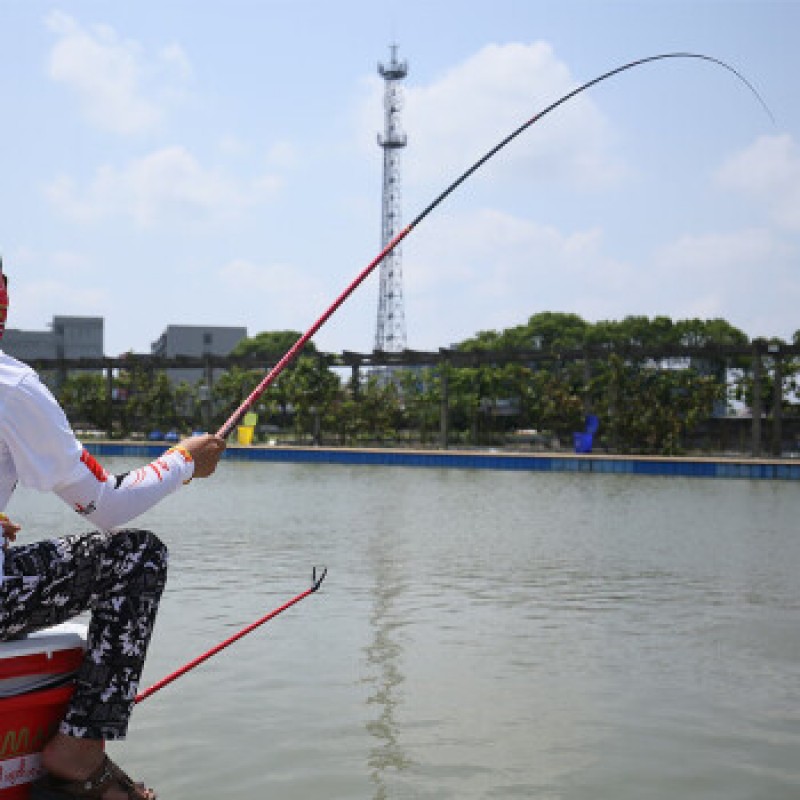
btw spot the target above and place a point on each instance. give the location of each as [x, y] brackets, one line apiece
[174, 162]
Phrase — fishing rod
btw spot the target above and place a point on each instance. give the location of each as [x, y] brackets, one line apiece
[316, 582]
[237, 415]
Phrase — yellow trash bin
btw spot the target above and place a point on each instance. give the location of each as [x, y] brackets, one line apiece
[244, 434]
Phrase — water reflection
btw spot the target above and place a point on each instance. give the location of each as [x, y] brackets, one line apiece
[481, 636]
[384, 657]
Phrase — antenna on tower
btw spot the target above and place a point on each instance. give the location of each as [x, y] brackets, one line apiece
[390, 335]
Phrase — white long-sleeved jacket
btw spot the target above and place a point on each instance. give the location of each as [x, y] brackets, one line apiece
[39, 450]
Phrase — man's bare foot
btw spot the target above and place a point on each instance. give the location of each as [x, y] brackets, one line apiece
[73, 759]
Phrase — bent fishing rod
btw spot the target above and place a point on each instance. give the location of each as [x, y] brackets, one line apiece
[316, 582]
[272, 375]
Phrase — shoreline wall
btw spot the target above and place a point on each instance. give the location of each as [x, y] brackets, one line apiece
[696, 467]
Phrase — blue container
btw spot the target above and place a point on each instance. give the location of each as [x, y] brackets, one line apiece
[582, 442]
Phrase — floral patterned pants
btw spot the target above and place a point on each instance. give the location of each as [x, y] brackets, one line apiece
[119, 578]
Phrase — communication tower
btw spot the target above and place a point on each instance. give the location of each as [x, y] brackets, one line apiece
[390, 336]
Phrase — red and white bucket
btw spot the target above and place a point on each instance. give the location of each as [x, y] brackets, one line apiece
[35, 688]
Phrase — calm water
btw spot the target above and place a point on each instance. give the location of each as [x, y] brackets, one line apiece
[480, 635]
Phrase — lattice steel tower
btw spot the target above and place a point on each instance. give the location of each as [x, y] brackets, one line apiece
[390, 336]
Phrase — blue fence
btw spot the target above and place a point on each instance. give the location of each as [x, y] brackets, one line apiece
[761, 469]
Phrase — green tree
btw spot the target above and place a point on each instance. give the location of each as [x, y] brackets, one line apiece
[421, 397]
[230, 391]
[133, 410]
[159, 403]
[378, 405]
[344, 417]
[483, 399]
[553, 403]
[632, 331]
[312, 389]
[790, 371]
[698, 333]
[553, 330]
[465, 400]
[84, 397]
[652, 409]
[271, 346]
[543, 331]
[187, 405]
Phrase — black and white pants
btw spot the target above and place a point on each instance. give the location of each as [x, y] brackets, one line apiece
[119, 578]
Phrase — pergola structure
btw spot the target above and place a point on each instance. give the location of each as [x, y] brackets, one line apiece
[761, 354]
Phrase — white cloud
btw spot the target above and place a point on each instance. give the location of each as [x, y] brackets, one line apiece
[769, 170]
[283, 154]
[278, 295]
[69, 262]
[746, 276]
[24, 259]
[460, 116]
[720, 256]
[492, 248]
[165, 187]
[174, 57]
[122, 89]
[35, 302]
[232, 145]
[488, 269]
[277, 278]
[491, 270]
[47, 283]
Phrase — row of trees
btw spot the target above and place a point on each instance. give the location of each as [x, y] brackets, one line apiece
[644, 403]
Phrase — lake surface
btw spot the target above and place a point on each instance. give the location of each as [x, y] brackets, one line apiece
[480, 635]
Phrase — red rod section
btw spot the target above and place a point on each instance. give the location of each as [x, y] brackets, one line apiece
[222, 645]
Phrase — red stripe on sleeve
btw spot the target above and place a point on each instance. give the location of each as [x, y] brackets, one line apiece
[94, 466]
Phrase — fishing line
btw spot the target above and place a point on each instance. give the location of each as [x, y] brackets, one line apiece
[237, 415]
